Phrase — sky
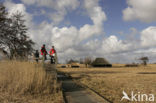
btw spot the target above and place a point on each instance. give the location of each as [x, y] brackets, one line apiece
[121, 31]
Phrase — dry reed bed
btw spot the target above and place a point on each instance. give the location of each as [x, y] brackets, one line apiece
[110, 82]
[26, 82]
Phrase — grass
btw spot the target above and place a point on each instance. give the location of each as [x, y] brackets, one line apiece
[26, 82]
[110, 82]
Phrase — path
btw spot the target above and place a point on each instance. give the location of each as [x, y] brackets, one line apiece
[74, 93]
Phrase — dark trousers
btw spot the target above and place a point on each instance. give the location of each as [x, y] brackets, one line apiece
[44, 57]
[52, 59]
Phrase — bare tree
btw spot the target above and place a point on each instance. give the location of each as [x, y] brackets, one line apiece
[87, 61]
[144, 60]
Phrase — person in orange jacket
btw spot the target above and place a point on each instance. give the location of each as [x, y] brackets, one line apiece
[43, 52]
[52, 53]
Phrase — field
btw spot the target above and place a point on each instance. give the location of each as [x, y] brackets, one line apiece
[111, 82]
[26, 82]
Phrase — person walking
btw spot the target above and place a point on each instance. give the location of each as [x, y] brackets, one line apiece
[43, 52]
[52, 53]
[36, 54]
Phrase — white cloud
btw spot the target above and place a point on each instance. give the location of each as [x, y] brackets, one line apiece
[57, 4]
[92, 45]
[97, 16]
[95, 11]
[61, 7]
[112, 44]
[143, 10]
[74, 35]
[72, 42]
[13, 8]
[41, 34]
[148, 37]
[68, 39]
[64, 38]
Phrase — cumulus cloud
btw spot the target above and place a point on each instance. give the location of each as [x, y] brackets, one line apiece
[141, 10]
[75, 36]
[73, 42]
[13, 8]
[112, 44]
[64, 38]
[68, 40]
[60, 7]
[41, 34]
[148, 37]
[95, 11]
[97, 16]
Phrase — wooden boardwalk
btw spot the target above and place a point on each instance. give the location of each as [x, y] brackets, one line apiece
[74, 93]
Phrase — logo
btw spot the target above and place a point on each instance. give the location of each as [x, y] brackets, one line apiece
[138, 97]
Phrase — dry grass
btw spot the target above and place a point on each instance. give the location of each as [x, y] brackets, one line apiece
[25, 82]
[110, 82]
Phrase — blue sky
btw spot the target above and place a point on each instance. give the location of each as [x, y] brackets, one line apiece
[112, 8]
[73, 25]
[115, 23]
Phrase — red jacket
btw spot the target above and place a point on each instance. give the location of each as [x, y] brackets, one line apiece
[43, 50]
[52, 51]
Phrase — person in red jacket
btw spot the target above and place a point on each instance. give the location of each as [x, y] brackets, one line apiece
[43, 52]
[52, 53]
